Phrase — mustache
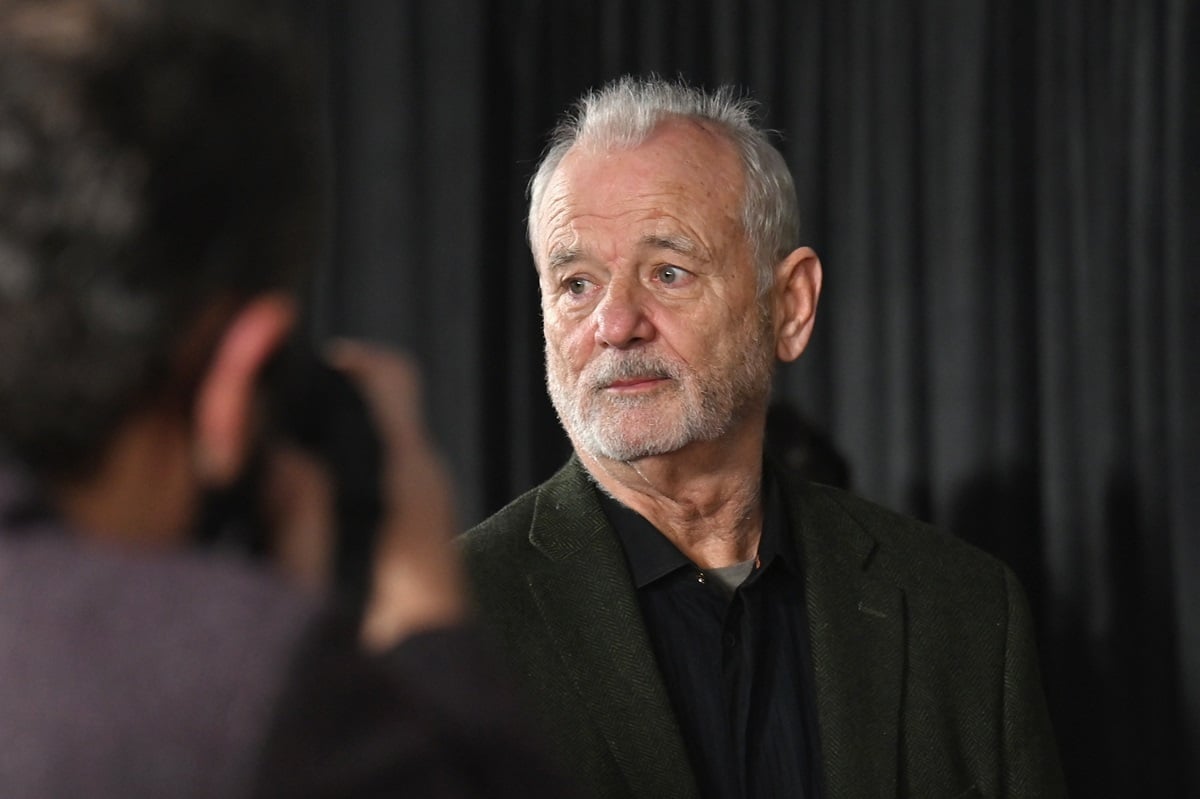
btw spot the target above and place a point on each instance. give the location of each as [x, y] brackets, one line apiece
[602, 374]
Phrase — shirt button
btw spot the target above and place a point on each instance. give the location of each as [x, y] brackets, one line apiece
[730, 640]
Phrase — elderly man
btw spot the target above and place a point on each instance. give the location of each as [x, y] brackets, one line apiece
[693, 620]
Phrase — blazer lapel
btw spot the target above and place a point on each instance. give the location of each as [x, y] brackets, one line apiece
[857, 632]
[590, 609]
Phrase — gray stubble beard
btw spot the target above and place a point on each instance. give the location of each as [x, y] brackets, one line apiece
[707, 410]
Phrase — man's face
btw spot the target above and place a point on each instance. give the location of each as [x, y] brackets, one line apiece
[655, 338]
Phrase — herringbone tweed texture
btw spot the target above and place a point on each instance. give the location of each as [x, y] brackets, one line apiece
[926, 676]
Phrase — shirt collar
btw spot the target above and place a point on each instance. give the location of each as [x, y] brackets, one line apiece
[777, 543]
[651, 555]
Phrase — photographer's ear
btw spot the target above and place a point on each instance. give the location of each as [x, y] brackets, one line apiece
[225, 399]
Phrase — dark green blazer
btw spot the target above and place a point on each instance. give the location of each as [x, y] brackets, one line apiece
[926, 673]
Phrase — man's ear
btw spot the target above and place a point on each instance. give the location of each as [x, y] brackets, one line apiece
[225, 400]
[797, 287]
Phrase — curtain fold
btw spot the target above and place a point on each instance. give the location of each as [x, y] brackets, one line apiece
[1006, 198]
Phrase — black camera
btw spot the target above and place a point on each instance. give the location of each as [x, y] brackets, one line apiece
[310, 404]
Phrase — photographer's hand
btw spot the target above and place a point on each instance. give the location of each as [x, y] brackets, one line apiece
[418, 582]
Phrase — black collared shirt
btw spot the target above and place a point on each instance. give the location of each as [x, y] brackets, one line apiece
[736, 668]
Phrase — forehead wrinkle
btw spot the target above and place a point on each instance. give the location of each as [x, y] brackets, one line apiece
[557, 236]
[579, 197]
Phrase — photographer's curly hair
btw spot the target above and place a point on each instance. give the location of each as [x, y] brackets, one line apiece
[150, 169]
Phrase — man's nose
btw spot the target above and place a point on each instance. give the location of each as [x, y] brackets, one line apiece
[621, 319]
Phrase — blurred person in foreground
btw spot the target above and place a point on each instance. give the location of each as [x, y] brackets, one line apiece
[158, 207]
[693, 617]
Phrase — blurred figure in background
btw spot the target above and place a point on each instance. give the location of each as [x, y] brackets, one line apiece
[158, 208]
[804, 448]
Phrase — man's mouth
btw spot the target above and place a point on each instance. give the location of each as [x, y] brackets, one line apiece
[633, 384]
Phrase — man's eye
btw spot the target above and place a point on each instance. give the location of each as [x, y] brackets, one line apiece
[577, 285]
[670, 275]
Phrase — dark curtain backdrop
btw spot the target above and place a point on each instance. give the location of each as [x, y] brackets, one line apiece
[1006, 198]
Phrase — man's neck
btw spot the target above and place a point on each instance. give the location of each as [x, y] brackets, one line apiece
[706, 498]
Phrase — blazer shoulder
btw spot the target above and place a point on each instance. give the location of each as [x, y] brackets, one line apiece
[496, 552]
[911, 551]
[554, 504]
[504, 527]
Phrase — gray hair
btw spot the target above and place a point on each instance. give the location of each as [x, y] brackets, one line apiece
[627, 111]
